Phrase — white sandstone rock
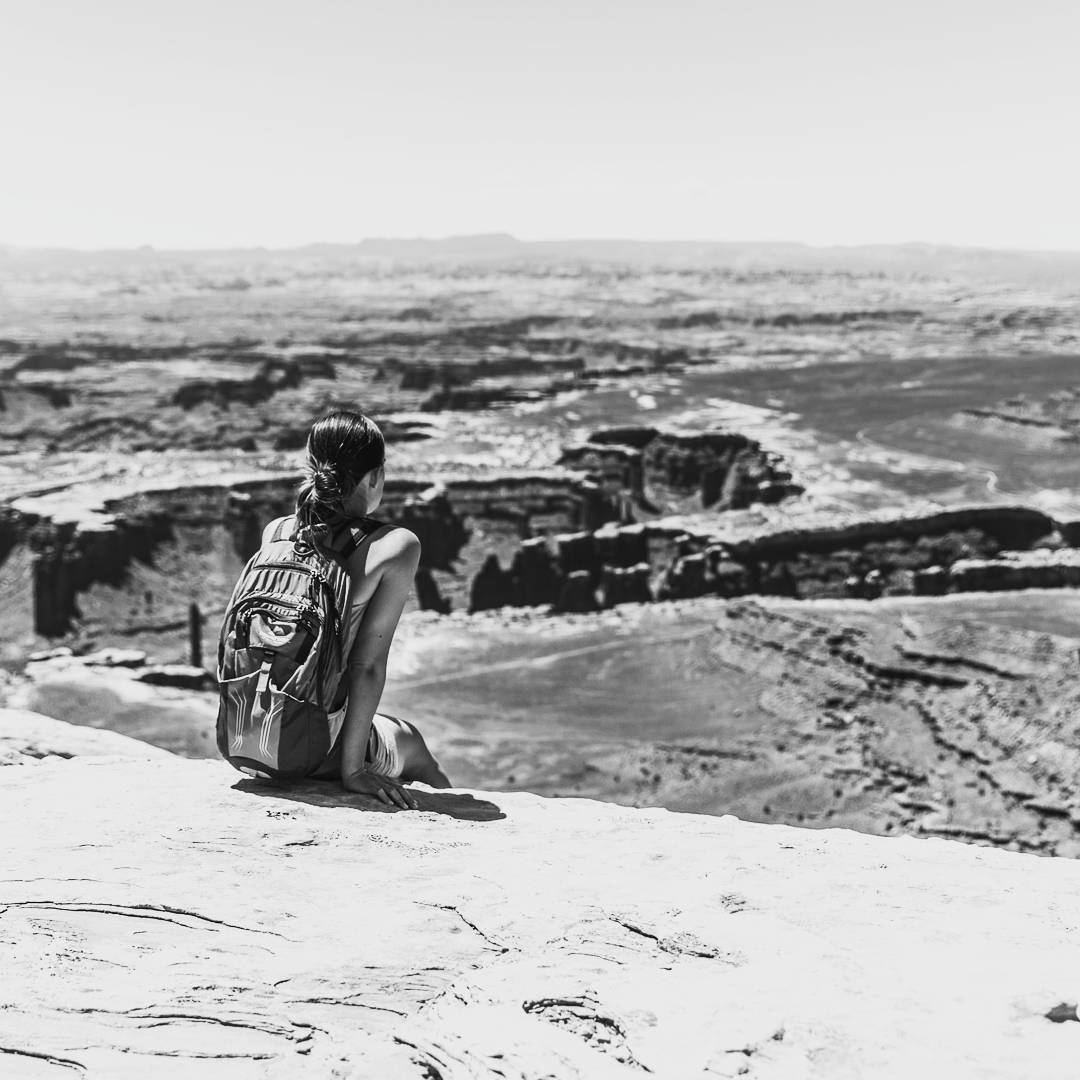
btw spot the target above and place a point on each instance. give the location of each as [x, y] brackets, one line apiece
[167, 918]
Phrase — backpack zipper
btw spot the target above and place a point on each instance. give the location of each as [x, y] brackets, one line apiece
[299, 566]
[304, 609]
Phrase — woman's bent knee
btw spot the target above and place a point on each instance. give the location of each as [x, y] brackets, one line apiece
[418, 763]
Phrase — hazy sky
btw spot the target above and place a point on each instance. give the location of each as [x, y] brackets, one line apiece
[188, 123]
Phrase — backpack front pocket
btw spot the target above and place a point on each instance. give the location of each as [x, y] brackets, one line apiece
[263, 728]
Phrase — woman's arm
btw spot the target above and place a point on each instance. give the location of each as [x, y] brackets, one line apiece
[399, 555]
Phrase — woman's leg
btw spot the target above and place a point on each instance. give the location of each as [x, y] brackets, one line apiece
[416, 760]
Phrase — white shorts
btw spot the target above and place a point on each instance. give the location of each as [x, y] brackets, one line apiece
[382, 751]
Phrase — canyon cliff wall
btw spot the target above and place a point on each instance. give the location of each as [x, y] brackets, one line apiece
[78, 539]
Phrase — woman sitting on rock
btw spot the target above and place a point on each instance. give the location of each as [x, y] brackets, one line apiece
[372, 753]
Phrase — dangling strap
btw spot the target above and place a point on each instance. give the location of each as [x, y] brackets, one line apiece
[264, 674]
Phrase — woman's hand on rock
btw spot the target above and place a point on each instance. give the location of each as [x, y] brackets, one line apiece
[362, 782]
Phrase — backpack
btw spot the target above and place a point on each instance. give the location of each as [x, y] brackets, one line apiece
[281, 655]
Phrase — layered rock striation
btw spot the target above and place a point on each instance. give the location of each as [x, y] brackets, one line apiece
[799, 555]
[1038, 569]
[725, 470]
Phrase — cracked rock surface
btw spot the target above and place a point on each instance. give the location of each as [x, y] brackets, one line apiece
[165, 917]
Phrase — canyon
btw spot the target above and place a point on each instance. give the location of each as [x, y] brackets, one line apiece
[747, 627]
[779, 458]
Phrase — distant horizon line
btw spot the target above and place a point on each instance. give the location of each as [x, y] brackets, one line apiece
[509, 240]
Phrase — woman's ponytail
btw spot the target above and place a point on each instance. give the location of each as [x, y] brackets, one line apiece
[342, 448]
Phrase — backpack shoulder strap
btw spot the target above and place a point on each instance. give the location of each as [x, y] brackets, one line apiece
[359, 534]
[280, 531]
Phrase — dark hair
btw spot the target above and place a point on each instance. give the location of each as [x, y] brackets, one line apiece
[342, 448]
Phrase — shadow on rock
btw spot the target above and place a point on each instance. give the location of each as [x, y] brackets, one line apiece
[322, 793]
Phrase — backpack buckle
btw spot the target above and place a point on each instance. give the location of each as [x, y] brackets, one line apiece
[264, 674]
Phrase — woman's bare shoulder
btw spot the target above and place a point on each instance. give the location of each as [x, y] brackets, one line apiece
[390, 546]
[398, 539]
[395, 545]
